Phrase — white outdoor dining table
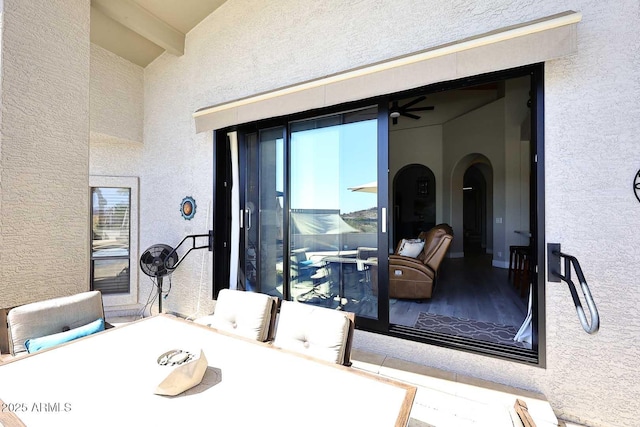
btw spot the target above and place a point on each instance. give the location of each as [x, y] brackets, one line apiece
[108, 379]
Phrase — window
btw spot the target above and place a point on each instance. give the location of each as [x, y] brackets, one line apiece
[114, 238]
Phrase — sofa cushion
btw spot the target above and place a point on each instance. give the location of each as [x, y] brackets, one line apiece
[410, 247]
[41, 343]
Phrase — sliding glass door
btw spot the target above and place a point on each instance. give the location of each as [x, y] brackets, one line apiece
[262, 216]
[333, 227]
[311, 218]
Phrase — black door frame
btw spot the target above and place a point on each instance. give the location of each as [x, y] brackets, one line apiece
[537, 355]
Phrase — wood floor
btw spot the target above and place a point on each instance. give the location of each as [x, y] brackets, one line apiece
[467, 288]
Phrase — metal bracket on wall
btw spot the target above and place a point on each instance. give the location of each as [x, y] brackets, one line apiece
[553, 262]
[554, 257]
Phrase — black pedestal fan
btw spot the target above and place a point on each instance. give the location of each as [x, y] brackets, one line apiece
[158, 261]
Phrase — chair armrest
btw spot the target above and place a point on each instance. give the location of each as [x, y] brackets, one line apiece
[399, 262]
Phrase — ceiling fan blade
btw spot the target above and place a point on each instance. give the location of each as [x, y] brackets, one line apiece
[415, 101]
[413, 116]
[429, 108]
[395, 120]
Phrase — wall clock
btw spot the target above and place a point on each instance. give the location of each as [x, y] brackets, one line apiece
[636, 185]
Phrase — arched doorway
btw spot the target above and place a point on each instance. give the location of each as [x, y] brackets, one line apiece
[474, 211]
[481, 174]
[414, 201]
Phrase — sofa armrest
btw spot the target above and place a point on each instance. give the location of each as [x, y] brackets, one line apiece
[398, 261]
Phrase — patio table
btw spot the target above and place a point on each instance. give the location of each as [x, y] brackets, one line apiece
[109, 378]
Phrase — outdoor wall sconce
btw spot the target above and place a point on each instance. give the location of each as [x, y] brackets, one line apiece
[188, 208]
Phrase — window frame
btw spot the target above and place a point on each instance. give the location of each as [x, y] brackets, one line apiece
[132, 183]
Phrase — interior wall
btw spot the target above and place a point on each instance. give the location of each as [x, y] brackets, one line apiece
[44, 150]
[589, 128]
[479, 132]
[517, 163]
[419, 145]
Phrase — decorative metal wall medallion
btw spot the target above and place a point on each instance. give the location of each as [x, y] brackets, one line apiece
[636, 186]
[188, 207]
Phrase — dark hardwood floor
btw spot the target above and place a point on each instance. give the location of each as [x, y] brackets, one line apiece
[467, 288]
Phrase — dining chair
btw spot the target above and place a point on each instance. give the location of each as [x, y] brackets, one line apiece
[319, 332]
[47, 323]
[248, 314]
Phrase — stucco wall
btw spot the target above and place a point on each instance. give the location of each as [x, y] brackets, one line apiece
[591, 130]
[117, 97]
[44, 140]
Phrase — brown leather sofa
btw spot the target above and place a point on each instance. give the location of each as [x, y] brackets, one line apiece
[414, 278]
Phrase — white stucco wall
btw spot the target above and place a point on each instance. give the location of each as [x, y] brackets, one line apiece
[117, 97]
[44, 146]
[591, 130]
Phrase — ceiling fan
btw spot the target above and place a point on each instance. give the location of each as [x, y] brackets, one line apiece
[405, 110]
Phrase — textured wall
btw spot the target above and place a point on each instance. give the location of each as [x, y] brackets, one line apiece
[591, 141]
[44, 150]
[117, 96]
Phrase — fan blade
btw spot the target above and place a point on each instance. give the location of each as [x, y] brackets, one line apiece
[431, 107]
[395, 120]
[413, 116]
[147, 258]
[414, 102]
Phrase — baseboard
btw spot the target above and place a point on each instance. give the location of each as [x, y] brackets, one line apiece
[500, 264]
[456, 254]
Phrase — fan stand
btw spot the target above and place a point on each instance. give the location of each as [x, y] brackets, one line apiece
[159, 284]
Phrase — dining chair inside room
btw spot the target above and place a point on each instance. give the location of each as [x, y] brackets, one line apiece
[318, 332]
[247, 314]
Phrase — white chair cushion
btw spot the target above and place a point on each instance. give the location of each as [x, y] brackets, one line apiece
[52, 316]
[314, 331]
[246, 314]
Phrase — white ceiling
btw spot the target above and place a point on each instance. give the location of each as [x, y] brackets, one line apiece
[141, 30]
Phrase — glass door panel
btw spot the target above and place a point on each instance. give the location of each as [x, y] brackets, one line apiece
[263, 217]
[333, 227]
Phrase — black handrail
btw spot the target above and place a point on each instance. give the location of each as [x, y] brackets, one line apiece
[554, 255]
[193, 238]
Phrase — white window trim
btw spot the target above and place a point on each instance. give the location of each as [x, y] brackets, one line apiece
[131, 182]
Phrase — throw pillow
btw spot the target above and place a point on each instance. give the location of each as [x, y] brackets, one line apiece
[411, 247]
[36, 344]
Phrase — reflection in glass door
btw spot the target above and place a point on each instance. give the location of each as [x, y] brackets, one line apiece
[333, 226]
[263, 218]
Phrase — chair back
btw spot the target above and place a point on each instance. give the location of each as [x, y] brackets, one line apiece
[52, 316]
[318, 332]
[247, 314]
[437, 242]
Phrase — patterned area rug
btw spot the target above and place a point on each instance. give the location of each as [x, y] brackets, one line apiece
[483, 331]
